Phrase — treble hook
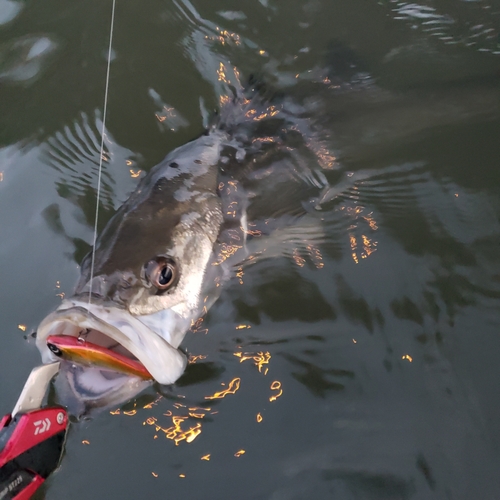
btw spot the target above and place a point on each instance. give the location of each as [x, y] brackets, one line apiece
[82, 336]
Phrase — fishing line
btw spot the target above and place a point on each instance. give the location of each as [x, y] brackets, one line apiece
[102, 148]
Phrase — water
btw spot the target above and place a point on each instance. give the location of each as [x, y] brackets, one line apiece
[378, 341]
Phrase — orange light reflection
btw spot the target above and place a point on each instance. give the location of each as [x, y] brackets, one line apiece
[300, 261]
[316, 256]
[194, 359]
[260, 359]
[233, 386]
[276, 386]
[153, 403]
[243, 327]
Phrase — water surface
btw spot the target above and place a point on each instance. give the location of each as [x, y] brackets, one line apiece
[360, 363]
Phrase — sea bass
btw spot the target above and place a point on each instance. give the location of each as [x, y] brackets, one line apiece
[150, 262]
[158, 263]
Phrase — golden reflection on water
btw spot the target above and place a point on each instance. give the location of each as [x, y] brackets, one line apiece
[229, 35]
[300, 261]
[264, 140]
[260, 359]
[326, 159]
[276, 386]
[250, 113]
[243, 327]
[407, 357]
[153, 403]
[354, 246]
[224, 37]
[169, 113]
[225, 252]
[240, 273]
[197, 326]
[362, 245]
[175, 432]
[196, 415]
[185, 421]
[223, 100]
[316, 256]
[233, 386]
[251, 232]
[61, 294]
[371, 221]
[197, 357]
[221, 73]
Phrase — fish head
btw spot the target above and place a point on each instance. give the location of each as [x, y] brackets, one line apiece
[144, 284]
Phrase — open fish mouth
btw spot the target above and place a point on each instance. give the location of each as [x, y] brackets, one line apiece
[110, 336]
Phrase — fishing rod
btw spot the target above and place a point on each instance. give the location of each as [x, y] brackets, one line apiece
[32, 436]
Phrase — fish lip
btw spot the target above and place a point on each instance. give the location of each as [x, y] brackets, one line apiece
[164, 362]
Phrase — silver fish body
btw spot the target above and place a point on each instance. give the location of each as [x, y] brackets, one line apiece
[174, 215]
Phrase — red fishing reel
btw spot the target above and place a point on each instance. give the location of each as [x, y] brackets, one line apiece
[31, 439]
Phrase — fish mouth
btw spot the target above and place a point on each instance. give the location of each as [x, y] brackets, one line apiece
[116, 333]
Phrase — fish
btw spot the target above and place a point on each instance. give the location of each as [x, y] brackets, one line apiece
[143, 298]
[158, 264]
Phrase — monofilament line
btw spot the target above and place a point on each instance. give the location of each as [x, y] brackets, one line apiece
[102, 147]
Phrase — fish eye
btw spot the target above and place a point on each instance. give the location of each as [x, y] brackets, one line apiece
[161, 272]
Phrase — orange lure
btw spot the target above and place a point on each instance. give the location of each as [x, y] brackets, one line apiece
[88, 354]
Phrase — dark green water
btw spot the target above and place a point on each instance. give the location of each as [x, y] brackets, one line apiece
[383, 335]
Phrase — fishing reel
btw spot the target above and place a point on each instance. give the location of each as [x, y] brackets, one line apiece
[31, 438]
